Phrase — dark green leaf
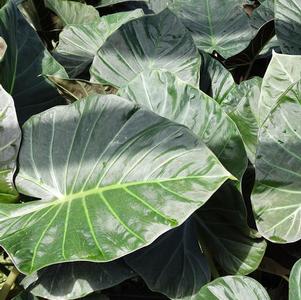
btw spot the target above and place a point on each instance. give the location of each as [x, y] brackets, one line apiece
[76, 279]
[25, 60]
[174, 264]
[224, 233]
[288, 25]
[148, 43]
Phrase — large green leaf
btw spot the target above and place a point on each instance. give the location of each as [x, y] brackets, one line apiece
[78, 44]
[172, 98]
[282, 73]
[276, 195]
[173, 265]
[223, 231]
[112, 178]
[26, 59]
[76, 279]
[220, 25]
[72, 12]
[148, 43]
[232, 288]
[295, 282]
[10, 137]
[288, 25]
[241, 104]
[216, 81]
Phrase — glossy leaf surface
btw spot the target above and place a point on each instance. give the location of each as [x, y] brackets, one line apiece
[276, 195]
[233, 288]
[149, 43]
[185, 104]
[144, 176]
[282, 73]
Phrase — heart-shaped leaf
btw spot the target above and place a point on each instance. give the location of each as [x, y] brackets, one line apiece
[178, 101]
[276, 195]
[112, 178]
[220, 25]
[148, 43]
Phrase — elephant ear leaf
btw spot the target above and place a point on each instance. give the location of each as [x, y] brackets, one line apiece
[276, 195]
[112, 178]
[10, 137]
[183, 103]
[233, 288]
[154, 42]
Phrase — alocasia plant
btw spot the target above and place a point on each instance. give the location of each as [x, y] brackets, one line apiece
[131, 135]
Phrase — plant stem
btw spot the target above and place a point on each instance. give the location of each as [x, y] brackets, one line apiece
[9, 283]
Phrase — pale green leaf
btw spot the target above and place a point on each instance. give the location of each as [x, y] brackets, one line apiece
[232, 288]
[112, 178]
[172, 98]
[10, 138]
[276, 195]
[295, 282]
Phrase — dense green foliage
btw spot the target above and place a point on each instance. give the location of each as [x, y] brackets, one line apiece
[155, 143]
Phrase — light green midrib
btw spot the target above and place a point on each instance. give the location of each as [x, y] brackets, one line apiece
[102, 189]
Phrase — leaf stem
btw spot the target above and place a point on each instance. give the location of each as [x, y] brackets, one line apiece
[9, 283]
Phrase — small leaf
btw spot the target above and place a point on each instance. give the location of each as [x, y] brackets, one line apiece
[75, 89]
[10, 138]
[295, 282]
